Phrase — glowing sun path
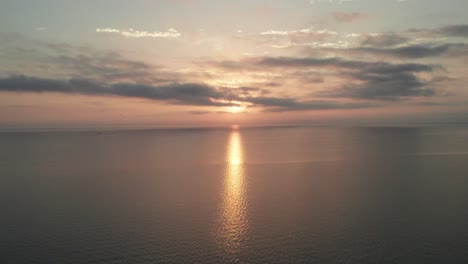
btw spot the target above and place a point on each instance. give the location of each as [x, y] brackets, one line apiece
[232, 220]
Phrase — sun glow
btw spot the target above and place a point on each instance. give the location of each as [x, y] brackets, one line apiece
[236, 109]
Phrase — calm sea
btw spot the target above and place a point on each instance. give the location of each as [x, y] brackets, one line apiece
[263, 195]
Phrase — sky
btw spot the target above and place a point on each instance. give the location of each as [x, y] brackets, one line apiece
[185, 63]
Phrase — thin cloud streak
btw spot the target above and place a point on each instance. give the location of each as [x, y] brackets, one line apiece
[343, 17]
[170, 33]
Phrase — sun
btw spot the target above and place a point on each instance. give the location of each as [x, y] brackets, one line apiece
[235, 109]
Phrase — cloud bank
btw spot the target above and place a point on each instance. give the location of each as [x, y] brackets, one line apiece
[365, 80]
[177, 93]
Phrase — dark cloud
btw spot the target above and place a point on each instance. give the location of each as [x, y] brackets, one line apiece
[310, 77]
[272, 84]
[380, 67]
[384, 81]
[195, 112]
[343, 17]
[454, 31]
[446, 31]
[383, 40]
[190, 94]
[274, 104]
[297, 62]
[245, 91]
[388, 86]
[366, 79]
[409, 52]
[186, 94]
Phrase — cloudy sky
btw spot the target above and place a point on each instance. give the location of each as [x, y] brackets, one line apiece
[166, 63]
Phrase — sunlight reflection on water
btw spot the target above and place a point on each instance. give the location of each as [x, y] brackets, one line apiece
[232, 220]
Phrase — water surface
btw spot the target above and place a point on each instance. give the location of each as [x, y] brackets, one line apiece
[263, 195]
